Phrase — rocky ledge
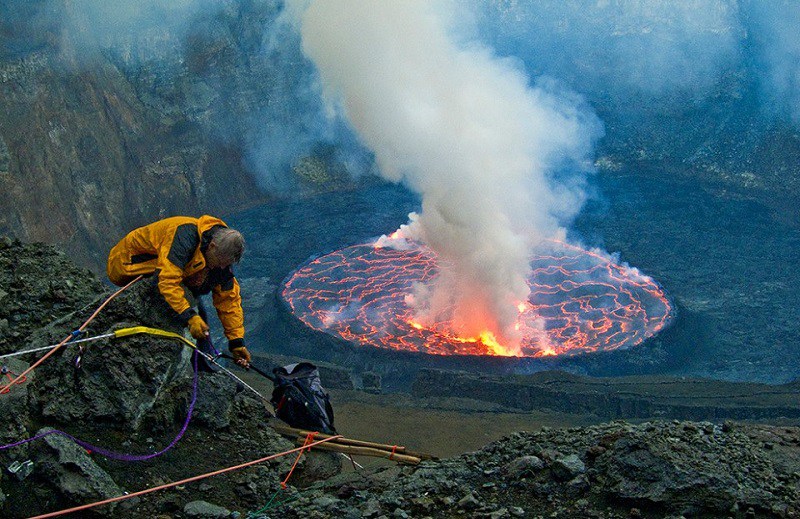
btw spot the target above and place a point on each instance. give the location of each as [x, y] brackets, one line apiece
[131, 396]
[637, 397]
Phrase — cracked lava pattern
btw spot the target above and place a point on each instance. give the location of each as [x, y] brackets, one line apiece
[580, 301]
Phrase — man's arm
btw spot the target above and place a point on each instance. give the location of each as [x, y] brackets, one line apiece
[173, 256]
[228, 302]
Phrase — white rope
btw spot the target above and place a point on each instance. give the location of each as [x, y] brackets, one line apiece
[232, 375]
[43, 348]
[110, 335]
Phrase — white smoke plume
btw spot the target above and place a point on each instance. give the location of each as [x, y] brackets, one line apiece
[468, 132]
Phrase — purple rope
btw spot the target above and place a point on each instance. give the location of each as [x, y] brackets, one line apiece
[118, 455]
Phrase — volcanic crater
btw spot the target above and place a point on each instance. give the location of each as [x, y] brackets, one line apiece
[581, 301]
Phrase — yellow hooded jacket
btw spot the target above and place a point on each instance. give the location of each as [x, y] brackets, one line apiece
[172, 248]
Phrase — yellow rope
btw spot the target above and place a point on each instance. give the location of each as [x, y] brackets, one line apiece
[137, 330]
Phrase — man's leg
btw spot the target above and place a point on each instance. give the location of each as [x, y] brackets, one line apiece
[122, 268]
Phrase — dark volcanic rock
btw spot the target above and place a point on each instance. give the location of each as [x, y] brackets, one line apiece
[204, 510]
[38, 285]
[130, 395]
[664, 468]
[690, 466]
[214, 405]
[119, 381]
[71, 472]
[117, 384]
[524, 466]
[567, 468]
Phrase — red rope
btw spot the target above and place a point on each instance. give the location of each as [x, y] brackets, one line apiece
[10, 374]
[21, 376]
[183, 481]
[307, 443]
[394, 449]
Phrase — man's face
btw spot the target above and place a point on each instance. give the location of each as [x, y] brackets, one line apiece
[213, 259]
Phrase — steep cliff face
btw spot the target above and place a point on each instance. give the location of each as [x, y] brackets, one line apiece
[112, 115]
[96, 141]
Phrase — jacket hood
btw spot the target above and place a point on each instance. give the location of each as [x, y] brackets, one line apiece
[206, 222]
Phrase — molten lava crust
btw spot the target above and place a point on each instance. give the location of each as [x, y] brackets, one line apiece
[581, 301]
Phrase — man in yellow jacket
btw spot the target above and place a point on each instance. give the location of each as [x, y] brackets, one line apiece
[193, 252]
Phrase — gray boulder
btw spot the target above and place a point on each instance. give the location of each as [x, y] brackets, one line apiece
[205, 510]
[71, 472]
[567, 467]
[214, 406]
[679, 468]
[135, 382]
[523, 466]
[469, 502]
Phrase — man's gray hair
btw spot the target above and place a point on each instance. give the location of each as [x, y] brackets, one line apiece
[229, 244]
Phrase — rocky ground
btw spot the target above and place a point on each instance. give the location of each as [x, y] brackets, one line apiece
[132, 396]
[655, 469]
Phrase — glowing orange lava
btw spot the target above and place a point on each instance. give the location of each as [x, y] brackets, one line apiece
[580, 301]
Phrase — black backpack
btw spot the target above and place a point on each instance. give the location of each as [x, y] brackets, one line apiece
[300, 400]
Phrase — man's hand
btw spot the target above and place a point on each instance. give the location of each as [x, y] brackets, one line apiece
[198, 327]
[239, 353]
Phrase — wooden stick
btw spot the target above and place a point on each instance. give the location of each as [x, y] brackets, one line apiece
[291, 431]
[364, 451]
[288, 430]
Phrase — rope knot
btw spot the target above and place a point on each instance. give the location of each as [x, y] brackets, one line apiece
[306, 447]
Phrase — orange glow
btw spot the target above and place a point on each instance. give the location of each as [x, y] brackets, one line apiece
[581, 301]
[487, 339]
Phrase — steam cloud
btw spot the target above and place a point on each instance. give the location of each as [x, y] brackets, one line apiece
[670, 51]
[465, 130]
[777, 43]
[631, 47]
